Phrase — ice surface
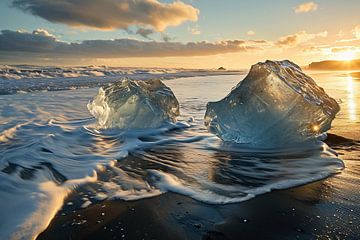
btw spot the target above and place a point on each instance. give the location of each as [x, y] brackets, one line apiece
[276, 104]
[131, 104]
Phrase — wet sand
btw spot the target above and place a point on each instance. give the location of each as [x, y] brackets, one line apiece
[326, 209]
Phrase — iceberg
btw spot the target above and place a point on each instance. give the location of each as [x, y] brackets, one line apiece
[134, 104]
[276, 104]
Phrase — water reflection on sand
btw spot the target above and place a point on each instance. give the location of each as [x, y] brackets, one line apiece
[200, 167]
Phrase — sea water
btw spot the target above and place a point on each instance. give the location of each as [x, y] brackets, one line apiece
[49, 145]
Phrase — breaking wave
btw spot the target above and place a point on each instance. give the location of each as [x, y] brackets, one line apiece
[49, 145]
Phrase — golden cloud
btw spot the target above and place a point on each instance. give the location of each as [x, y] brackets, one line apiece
[306, 7]
[111, 14]
[299, 38]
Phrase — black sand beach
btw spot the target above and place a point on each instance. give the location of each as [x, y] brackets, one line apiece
[179, 119]
[327, 209]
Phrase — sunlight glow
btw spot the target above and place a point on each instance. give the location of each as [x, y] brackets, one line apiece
[345, 56]
[351, 98]
[315, 128]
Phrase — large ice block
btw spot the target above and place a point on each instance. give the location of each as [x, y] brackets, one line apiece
[276, 104]
[130, 104]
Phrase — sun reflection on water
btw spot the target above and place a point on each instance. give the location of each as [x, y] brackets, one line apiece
[351, 98]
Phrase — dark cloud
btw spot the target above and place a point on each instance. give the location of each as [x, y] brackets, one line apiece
[110, 14]
[166, 38]
[37, 41]
[45, 44]
[144, 32]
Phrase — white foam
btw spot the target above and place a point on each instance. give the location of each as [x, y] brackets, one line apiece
[61, 146]
[86, 204]
[8, 134]
[39, 200]
[25, 79]
[170, 183]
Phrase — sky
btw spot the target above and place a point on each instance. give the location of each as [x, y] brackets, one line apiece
[183, 34]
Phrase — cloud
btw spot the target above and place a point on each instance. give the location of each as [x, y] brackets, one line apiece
[356, 32]
[299, 38]
[144, 32]
[111, 14]
[41, 44]
[344, 49]
[37, 41]
[332, 51]
[340, 34]
[195, 30]
[306, 7]
[43, 32]
[250, 33]
[314, 49]
[166, 38]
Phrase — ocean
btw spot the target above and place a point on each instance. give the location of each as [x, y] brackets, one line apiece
[50, 146]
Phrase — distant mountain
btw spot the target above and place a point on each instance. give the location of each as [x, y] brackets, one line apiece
[335, 65]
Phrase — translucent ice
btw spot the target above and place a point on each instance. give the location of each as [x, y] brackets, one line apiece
[132, 104]
[276, 104]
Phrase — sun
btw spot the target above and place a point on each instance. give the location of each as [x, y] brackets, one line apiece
[345, 56]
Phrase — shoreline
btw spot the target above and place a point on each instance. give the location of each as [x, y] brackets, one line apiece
[324, 209]
[303, 212]
[30, 85]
